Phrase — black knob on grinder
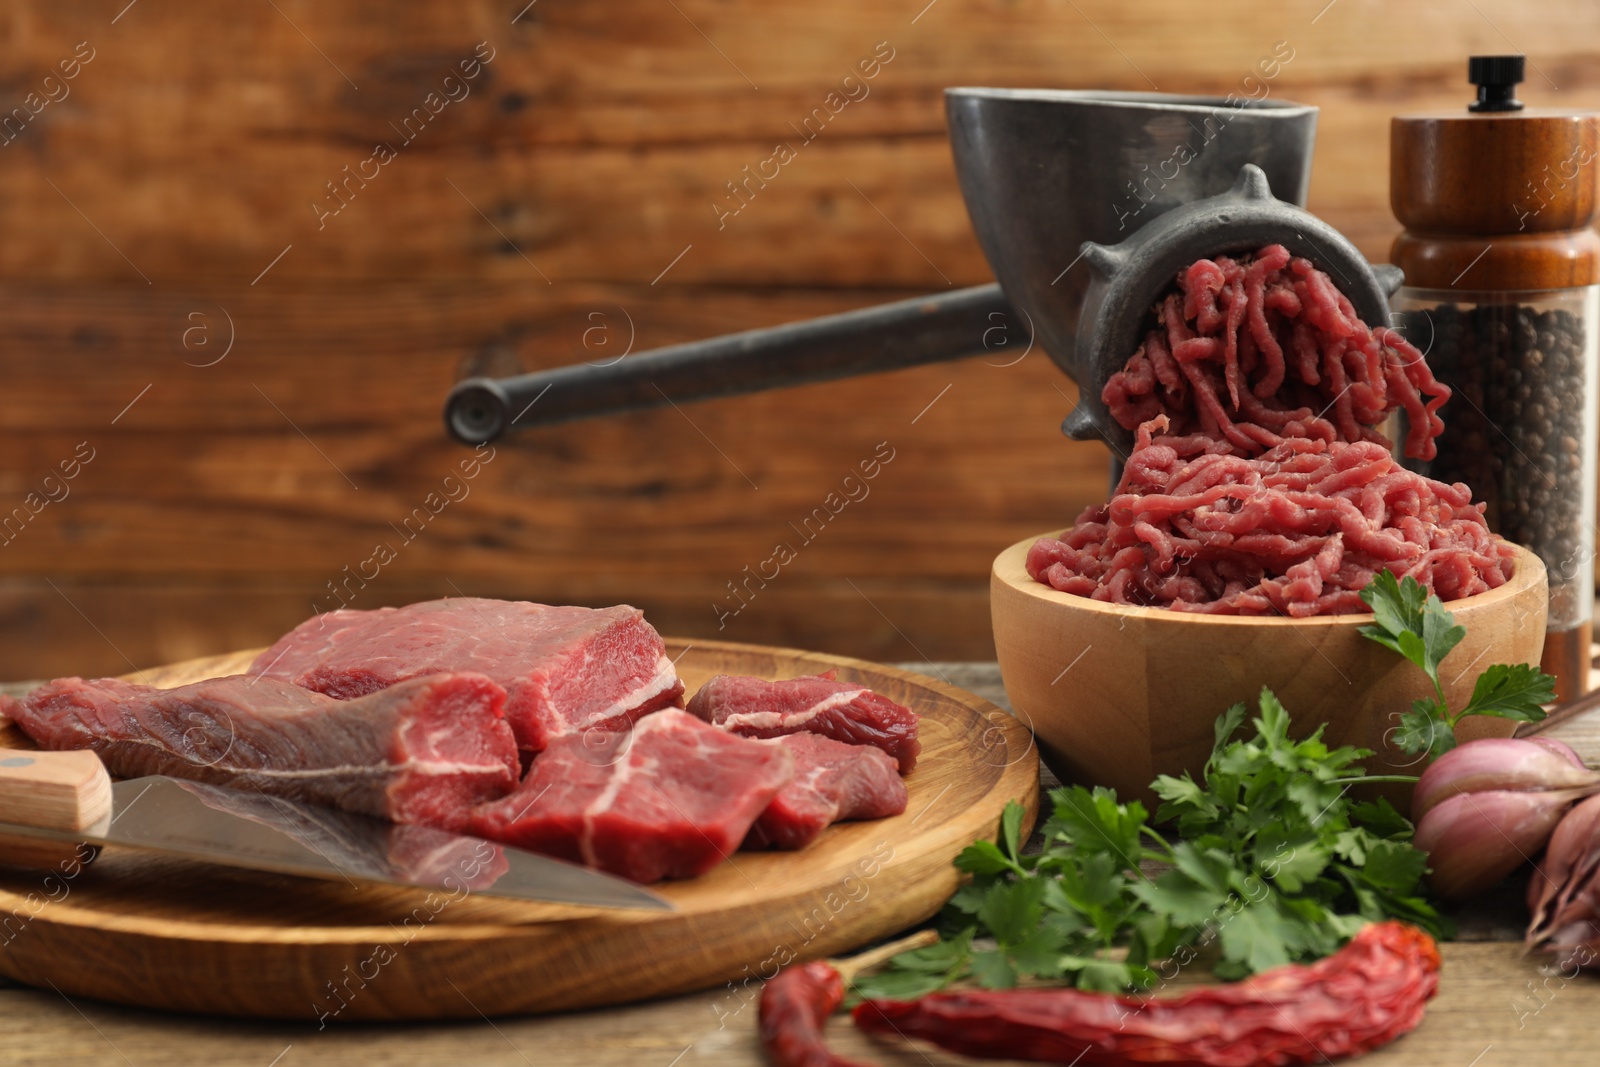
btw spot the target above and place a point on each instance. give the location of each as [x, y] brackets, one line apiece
[1497, 78]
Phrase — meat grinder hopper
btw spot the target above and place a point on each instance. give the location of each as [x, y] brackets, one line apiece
[1042, 172]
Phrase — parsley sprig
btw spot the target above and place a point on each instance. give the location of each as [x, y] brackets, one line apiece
[1413, 622]
[1276, 864]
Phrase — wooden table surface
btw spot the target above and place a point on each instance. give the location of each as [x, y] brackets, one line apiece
[1495, 1008]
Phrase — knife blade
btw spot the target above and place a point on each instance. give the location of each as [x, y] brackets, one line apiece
[258, 832]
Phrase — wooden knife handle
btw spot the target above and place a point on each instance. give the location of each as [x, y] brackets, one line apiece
[53, 791]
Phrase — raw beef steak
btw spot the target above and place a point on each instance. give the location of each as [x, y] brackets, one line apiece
[832, 782]
[564, 668]
[671, 798]
[818, 704]
[424, 751]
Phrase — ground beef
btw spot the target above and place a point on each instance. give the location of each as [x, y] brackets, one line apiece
[1256, 350]
[1271, 490]
[1298, 530]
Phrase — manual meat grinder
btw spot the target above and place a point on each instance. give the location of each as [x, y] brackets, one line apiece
[1135, 185]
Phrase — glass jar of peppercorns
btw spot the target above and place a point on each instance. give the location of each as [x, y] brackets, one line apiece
[1502, 297]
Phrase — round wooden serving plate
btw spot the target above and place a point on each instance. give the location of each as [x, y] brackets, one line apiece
[154, 932]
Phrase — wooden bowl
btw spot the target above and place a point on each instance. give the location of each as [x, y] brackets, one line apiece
[1118, 695]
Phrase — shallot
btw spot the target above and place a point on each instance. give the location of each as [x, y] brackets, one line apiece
[1473, 840]
[1500, 763]
[1486, 807]
[1564, 894]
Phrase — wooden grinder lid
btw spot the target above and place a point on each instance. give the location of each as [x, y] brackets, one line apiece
[1496, 196]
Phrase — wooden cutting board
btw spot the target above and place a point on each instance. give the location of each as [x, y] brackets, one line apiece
[162, 933]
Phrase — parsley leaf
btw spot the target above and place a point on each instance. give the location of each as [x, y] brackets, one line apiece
[1394, 866]
[992, 970]
[1227, 725]
[920, 971]
[1511, 691]
[1276, 864]
[1425, 728]
[1179, 899]
[1410, 621]
[1397, 609]
[1256, 938]
[1415, 624]
[1095, 822]
[985, 857]
[1380, 817]
[1291, 856]
[1109, 976]
[1011, 829]
[1011, 910]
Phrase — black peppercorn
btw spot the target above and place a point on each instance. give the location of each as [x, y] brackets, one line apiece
[1514, 430]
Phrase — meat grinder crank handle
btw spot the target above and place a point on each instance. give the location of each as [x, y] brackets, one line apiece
[908, 333]
[61, 791]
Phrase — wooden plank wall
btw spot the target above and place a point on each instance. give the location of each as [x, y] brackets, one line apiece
[159, 205]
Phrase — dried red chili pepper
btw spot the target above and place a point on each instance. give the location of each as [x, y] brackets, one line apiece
[795, 1007]
[1363, 996]
[795, 1004]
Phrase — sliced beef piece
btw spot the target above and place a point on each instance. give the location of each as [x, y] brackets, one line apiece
[671, 798]
[832, 782]
[423, 751]
[565, 669]
[818, 704]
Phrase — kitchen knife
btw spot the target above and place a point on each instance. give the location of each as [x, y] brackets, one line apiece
[53, 802]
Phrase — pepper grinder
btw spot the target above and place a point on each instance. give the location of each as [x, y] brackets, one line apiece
[1502, 295]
